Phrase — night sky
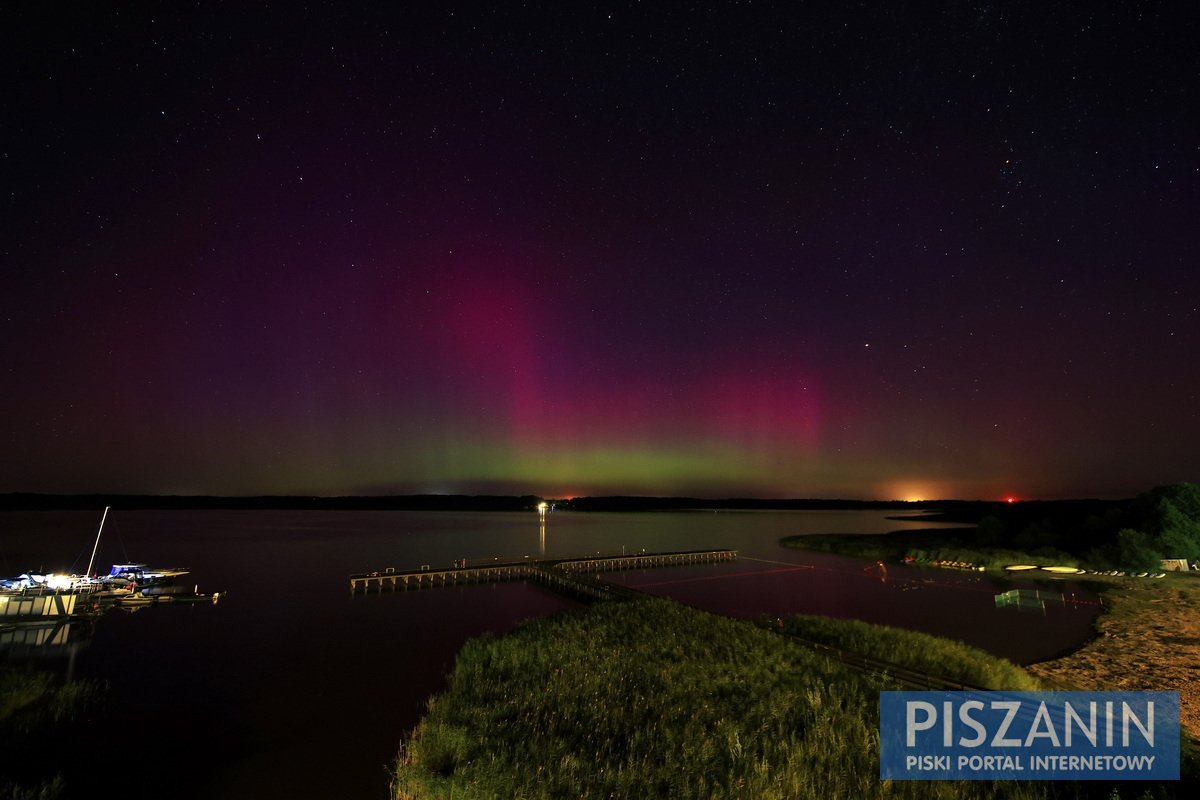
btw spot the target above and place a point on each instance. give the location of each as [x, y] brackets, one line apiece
[881, 250]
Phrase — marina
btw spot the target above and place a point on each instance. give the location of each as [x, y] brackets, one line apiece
[247, 679]
[38, 599]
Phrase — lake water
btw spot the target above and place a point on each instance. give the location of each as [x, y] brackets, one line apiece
[291, 687]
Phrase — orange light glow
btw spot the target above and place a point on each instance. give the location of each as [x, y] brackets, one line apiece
[911, 491]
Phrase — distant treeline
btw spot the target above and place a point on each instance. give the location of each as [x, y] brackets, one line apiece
[971, 511]
[634, 503]
[420, 502]
[1128, 534]
[1161, 523]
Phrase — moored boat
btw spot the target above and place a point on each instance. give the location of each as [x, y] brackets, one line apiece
[143, 575]
[133, 600]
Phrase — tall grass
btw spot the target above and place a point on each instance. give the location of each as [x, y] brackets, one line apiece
[31, 698]
[916, 651]
[656, 700]
[33, 705]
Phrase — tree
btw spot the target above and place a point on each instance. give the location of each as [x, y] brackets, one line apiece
[1136, 550]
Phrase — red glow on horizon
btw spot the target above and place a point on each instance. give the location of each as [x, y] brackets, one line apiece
[1010, 499]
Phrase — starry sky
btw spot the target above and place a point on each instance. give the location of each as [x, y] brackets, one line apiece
[862, 250]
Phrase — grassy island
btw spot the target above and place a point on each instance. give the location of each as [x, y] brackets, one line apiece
[654, 699]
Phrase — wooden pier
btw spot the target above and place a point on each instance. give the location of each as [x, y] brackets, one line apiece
[575, 577]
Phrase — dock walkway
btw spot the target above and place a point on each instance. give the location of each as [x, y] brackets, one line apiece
[579, 579]
[576, 577]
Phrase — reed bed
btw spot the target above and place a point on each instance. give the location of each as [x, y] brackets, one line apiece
[656, 700]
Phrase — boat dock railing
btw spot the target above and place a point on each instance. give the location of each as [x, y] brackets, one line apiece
[646, 560]
[576, 577]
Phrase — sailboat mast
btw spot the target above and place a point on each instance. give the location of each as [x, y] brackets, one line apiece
[96, 546]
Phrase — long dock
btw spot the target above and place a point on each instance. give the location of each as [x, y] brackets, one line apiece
[575, 577]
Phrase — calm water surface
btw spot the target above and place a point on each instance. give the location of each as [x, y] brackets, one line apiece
[290, 687]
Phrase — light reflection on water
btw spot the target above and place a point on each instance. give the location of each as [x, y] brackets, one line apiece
[959, 605]
[291, 687]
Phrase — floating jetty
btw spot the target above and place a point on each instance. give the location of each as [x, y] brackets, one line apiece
[37, 603]
[1031, 599]
[1038, 599]
[575, 577]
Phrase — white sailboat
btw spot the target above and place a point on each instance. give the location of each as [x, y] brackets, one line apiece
[56, 581]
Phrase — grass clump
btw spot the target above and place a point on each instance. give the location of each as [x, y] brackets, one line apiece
[656, 700]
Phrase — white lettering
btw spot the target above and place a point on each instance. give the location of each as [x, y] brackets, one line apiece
[991, 763]
[1042, 717]
[1127, 715]
[1013, 706]
[964, 714]
[1089, 731]
[912, 725]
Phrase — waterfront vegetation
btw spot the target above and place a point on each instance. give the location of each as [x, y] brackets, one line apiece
[1149, 634]
[932, 655]
[654, 699]
[1134, 535]
[945, 544]
[33, 704]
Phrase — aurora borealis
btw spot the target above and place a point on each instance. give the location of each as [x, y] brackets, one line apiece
[745, 250]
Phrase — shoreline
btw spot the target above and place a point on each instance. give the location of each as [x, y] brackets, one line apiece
[1147, 638]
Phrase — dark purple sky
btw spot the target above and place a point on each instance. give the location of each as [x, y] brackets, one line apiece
[848, 250]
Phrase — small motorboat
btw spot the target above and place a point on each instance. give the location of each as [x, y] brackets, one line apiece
[134, 600]
[111, 590]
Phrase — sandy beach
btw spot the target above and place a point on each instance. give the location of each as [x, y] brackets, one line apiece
[1147, 639]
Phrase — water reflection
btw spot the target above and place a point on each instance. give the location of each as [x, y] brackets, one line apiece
[252, 684]
[46, 638]
[958, 605]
